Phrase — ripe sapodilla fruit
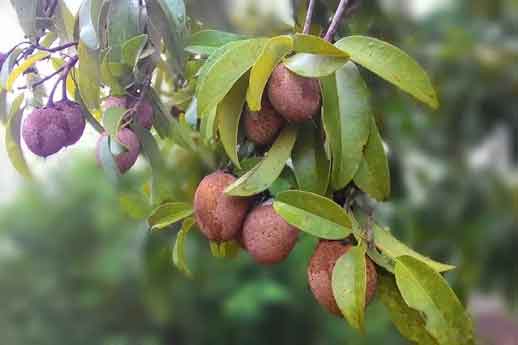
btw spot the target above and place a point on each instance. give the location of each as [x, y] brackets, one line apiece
[219, 216]
[320, 270]
[126, 159]
[75, 120]
[144, 111]
[262, 126]
[45, 131]
[266, 236]
[296, 98]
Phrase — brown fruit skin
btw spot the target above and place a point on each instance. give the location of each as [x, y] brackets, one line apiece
[296, 98]
[320, 270]
[262, 126]
[267, 237]
[219, 216]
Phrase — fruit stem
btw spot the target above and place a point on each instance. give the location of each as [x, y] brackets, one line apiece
[345, 7]
[309, 16]
[62, 79]
[55, 49]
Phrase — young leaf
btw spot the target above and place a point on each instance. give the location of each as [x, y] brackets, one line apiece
[12, 138]
[373, 175]
[228, 115]
[349, 282]
[274, 51]
[112, 118]
[346, 115]
[179, 247]
[312, 169]
[314, 66]
[408, 321]
[391, 64]
[169, 213]
[315, 45]
[267, 170]
[426, 291]
[24, 66]
[393, 248]
[213, 38]
[314, 214]
[225, 71]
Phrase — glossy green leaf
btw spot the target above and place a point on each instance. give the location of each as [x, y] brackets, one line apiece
[313, 65]
[314, 214]
[349, 283]
[64, 22]
[201, 50]
[311, 166]
[91, 30]
[132, 48]
[112, 118]
[88, 76]
[12, 138]
[213, 38]
[123, 24]
[228, 116]
[391, 64]
[225, 71]
[286, 181]
[213, 58]
[208, 126]
[426, 291]
[373, 175]
[346, 115]
[179, 259]
[408, 321]
[266, 172]
[274, 51]
[169, 213]
[315, 45]
[393, 248]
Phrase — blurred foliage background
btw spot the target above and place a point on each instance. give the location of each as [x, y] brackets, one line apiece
[76, 267]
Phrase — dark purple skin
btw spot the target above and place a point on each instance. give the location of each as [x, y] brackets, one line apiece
[74, 118]
[45, 131]
[144, 110]
[128, 158]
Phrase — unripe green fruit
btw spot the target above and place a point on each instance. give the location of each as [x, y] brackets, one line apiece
[296, 98]
[262, 126]
[266, 236]
[219, 216]
[320, 271]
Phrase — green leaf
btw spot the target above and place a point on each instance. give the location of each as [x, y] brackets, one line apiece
[208, 127]
[349, 283]
[64, 22]
[179, 247]
[315, 45]
[106, 158]
[228, 115]
[225, 71]
[23, 67]
[168, 19]
[91, 30]
[286, 181]
[393, 248]
[274, 51]
[213, 38]
[314, 66]
[314, 214]
[373, 175]
[135, 205]
[391, 64]
[88, 76]
[266, 172]
[123, 23]
[12, 138]
[346, 114]
[408, 321]
[213, 58]
[7, 67]
[312, 169]
[112, 118]
[28, 12]
[201, 50]
[169, 213]
[426, 291]
[132, 48]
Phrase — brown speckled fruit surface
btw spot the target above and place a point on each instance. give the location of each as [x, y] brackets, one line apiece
[262, 126]
[219, 216]
[320, 270]
[296, 98]
[267, 237]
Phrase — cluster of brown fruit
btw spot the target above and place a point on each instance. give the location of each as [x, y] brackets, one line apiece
[266, 236]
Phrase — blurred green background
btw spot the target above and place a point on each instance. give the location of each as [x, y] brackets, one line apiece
[75, 267]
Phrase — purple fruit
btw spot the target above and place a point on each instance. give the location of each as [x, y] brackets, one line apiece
[126, 159]
[74, 118]
[45, 131]
[145, 114]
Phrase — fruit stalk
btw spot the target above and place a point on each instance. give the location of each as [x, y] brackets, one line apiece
[340, 11]
[309, 16]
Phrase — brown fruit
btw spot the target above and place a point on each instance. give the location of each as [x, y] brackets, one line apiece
[296, 98]
[219, 216]
[266, 236]
[320, 270]
[262, 126]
